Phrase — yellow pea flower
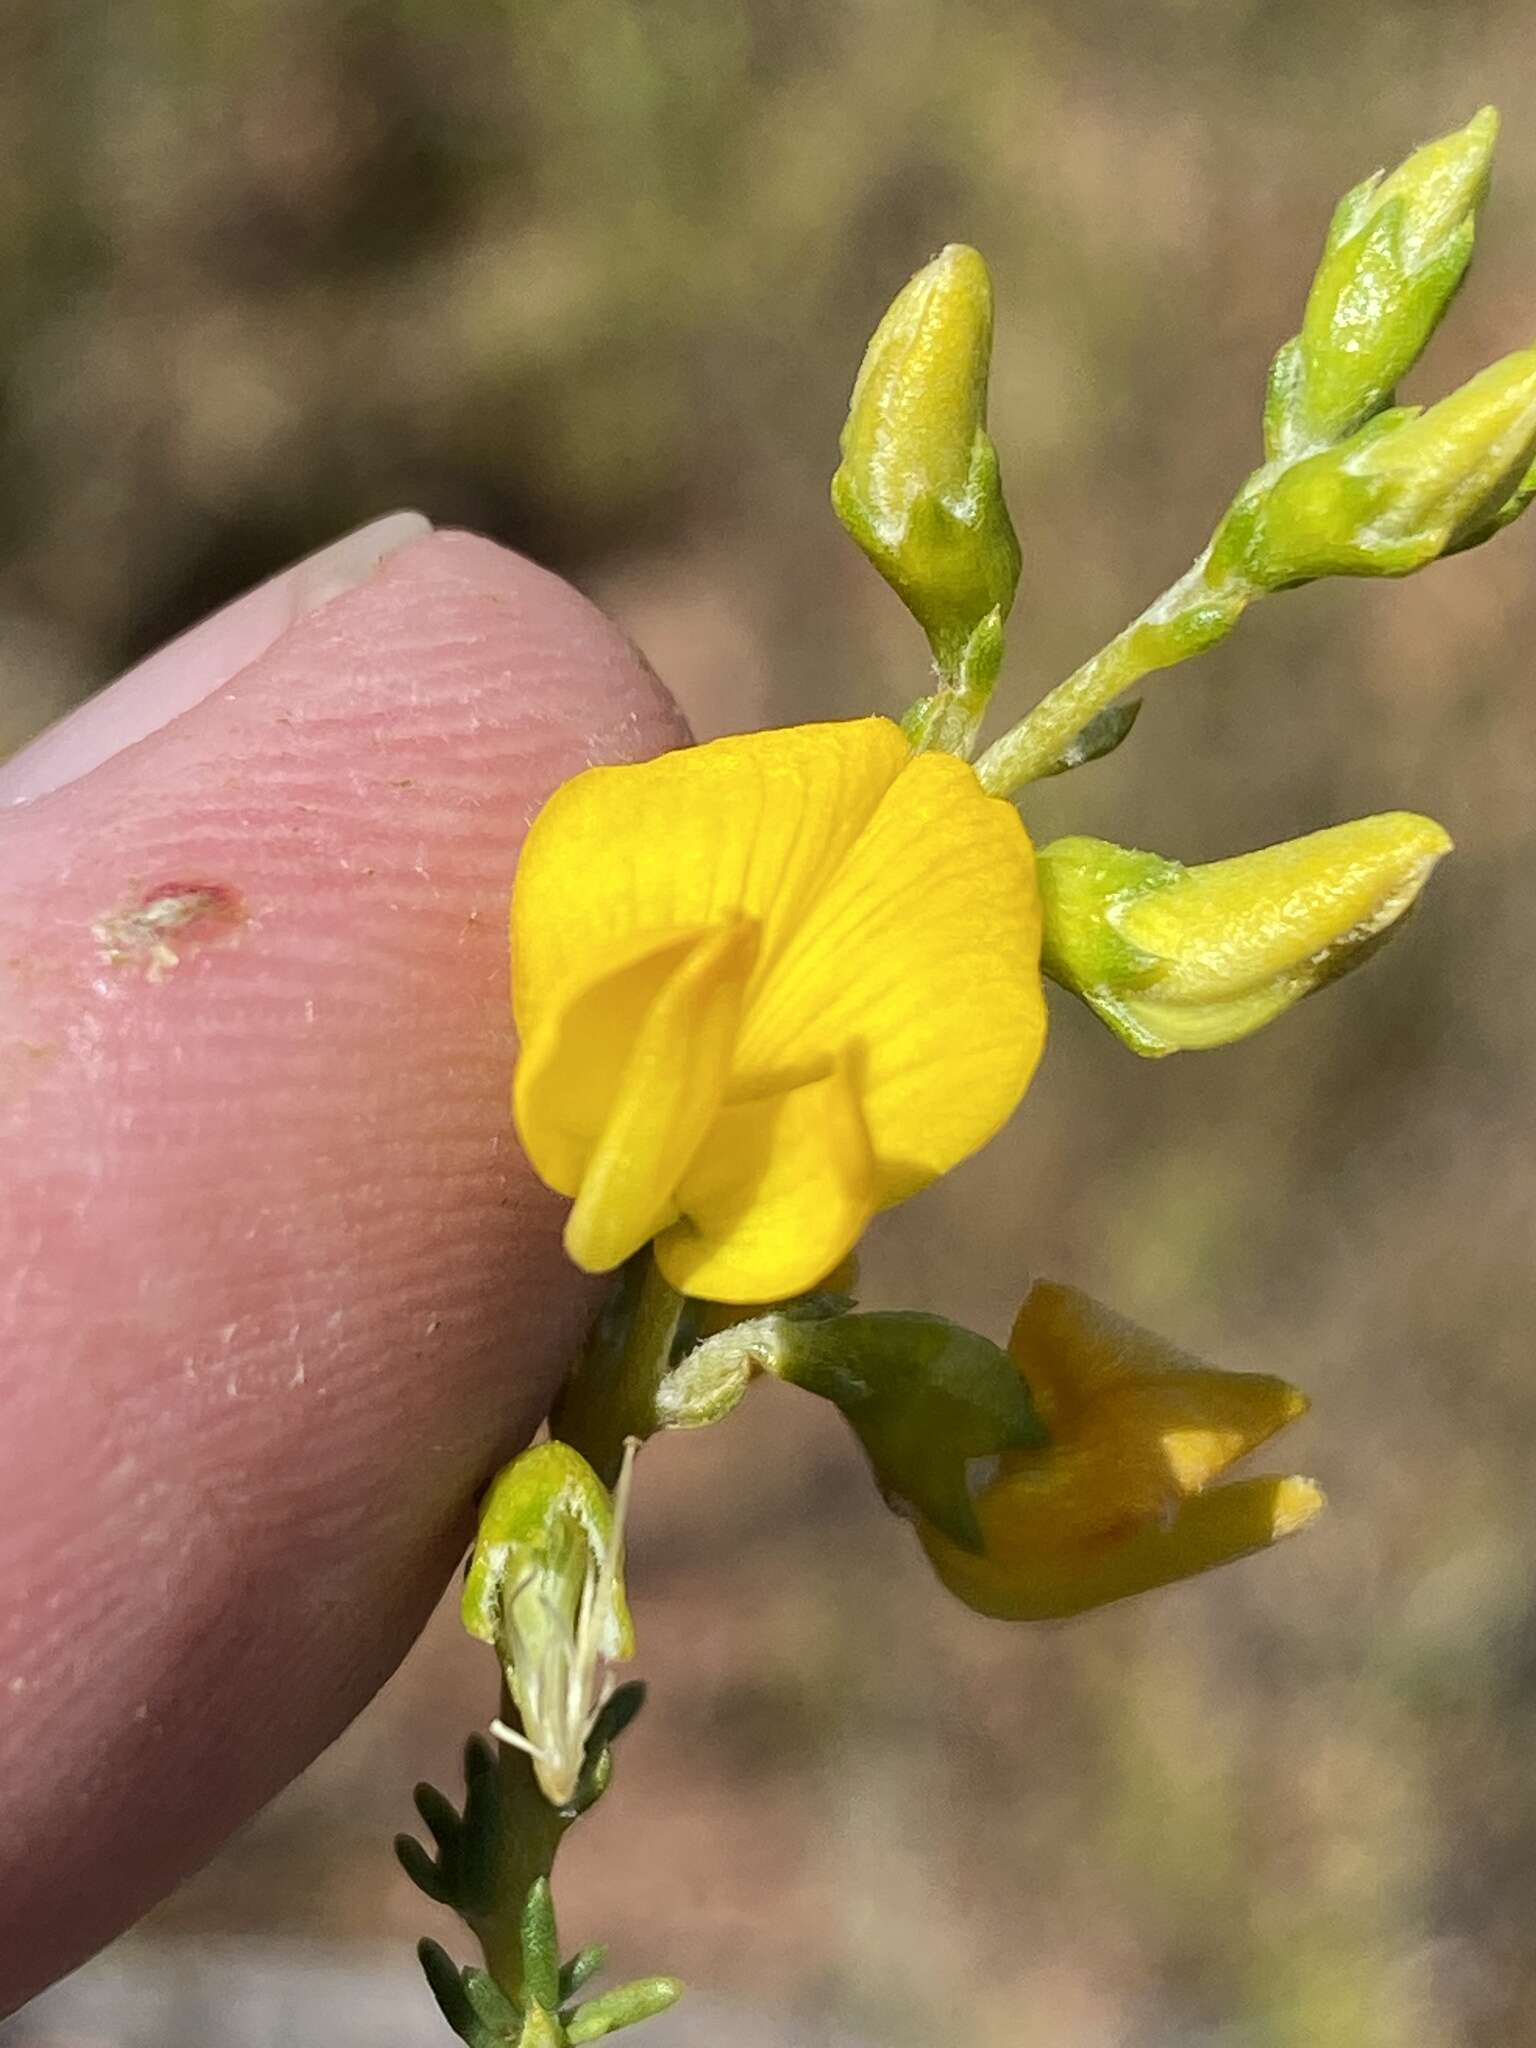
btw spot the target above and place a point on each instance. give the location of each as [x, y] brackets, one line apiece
[765, 988]
[1120, 1500]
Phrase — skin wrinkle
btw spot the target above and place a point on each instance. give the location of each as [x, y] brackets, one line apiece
[290, 1150]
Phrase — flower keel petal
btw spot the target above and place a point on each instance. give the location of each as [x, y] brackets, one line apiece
[779, 1194]
[1210, 1529]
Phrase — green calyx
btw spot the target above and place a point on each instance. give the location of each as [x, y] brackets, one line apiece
[930, 1402]
[546, 1526]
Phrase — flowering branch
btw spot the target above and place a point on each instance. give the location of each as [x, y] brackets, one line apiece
[769, 987]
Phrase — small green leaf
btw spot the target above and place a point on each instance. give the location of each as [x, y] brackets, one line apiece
[447, 1987]
[440, 1815]
[541, 1946]
[617, 1712]
[582, 1967]
[480, 1833]
[424, 1873]
[1100, 736]
[613, 1718]
[625, 2006]
[596, 1776]
[492, 2006]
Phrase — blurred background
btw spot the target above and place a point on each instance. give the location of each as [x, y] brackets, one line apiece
[595, 278]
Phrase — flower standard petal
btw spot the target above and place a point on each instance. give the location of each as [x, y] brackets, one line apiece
[749, 826]
[776, 1197]
[923, 951]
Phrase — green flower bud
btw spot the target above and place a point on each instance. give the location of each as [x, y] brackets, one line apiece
[1178, 959]
[546, 1586]
[933, 1405]
[1412, 485]
[918, 486]
[1396, 251]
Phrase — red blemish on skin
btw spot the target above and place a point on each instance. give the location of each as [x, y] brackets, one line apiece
[164, 922]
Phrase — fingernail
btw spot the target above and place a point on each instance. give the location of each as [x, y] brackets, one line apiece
[347, 562]
[192, 667]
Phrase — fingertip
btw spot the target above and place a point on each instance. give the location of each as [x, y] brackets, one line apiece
[282, 1288]
[200, 660]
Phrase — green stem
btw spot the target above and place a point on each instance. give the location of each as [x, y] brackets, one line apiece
[1190, 616]
[528, 1835]
[611, 1396]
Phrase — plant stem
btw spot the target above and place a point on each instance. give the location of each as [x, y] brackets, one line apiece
[1191, 615]
[528, 1835]
[611, 1396]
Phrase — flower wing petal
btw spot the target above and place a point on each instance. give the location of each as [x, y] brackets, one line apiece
[779, 1193]
[922, 951]
[619, 1090]
[572, 1067]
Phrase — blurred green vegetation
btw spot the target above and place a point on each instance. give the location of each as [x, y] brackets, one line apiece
[595, 277]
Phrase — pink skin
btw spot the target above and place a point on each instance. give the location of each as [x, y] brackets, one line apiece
[277, 1290]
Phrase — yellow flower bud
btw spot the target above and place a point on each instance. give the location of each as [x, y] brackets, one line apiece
[1120, 1500]
[918, 486]
[1179, 959]
[1397, 249]
[546, 1586]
